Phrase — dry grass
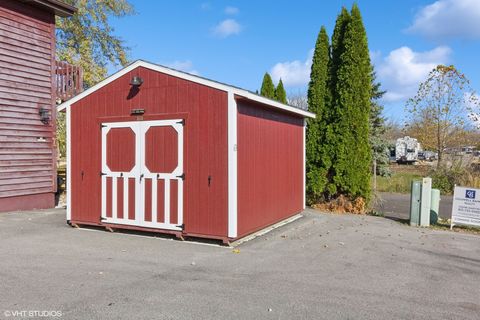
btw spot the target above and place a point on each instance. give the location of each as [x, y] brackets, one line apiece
[343, 204]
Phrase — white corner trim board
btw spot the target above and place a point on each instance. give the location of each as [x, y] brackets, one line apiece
[304, 164]
[190, 77]
[232, 166]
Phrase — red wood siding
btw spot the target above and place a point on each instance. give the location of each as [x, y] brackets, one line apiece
[205, 146]
[27, 156]
[270, 167]
[161, 154]
[121, 149]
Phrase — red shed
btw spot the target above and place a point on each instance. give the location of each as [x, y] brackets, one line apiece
[156, 149]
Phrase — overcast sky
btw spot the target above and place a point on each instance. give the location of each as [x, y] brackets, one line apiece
[238, 41]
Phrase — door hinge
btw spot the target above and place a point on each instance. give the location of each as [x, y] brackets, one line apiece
[102, 126]
[181, 226]
[102, 174]
[102, 218]
[182, 176]
[182, 122]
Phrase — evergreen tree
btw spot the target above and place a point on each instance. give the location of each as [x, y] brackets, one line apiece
[280, 93]
[268, 89]
[378, 143]
[318, 160]
[352, 93]
[338, 47]
[334, 139]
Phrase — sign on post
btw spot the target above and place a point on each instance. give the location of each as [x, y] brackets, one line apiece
[466, 206]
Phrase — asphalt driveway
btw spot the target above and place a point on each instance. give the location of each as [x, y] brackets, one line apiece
[321, 266]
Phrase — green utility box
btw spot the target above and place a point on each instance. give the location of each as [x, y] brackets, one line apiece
[415, 198]
[424, 203]
[434, 206]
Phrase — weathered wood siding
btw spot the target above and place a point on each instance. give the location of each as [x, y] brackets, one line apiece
[27, 156]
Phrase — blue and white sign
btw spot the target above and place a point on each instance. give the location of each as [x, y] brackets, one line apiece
[470, 194]
[466, 206]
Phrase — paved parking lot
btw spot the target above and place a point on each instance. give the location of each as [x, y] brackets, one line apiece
[321, 266]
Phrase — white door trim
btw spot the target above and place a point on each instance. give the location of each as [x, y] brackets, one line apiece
[140, 172]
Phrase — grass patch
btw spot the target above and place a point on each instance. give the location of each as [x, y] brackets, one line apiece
[399, 182]
[444, 224]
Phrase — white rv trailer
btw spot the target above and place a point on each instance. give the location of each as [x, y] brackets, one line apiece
[406, 150]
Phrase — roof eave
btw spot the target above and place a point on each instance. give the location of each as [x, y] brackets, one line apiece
[176, 73]
[272, 103]
[60, 8]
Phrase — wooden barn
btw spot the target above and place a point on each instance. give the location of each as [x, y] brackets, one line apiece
[155, 149]
[28, 90]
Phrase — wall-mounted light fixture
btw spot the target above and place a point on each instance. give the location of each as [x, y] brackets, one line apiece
[45, 115]
[136, 81]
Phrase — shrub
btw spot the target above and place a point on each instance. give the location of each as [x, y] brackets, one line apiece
[447, 176]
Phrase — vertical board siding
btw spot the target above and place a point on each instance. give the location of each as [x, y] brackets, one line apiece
[270, 167]
[27, 147]
[205, 146]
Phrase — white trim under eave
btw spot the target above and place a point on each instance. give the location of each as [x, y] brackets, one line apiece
[232, 166]
[190, 77]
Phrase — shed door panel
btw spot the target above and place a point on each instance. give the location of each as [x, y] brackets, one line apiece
[121, 149]
[161, 154]
[142, 173]
[121, 160]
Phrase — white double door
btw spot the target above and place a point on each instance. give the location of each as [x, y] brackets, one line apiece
[142, 173]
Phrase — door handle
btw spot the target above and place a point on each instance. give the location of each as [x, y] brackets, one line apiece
[141, 177]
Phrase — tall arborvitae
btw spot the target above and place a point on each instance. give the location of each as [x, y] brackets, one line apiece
[352, 106]
[378, 143]
[317, 148]
[334, 139]
[280, 93]
[268, 89]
